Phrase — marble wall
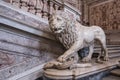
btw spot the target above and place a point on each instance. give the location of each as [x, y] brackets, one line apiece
[25, 42]
[21, 51]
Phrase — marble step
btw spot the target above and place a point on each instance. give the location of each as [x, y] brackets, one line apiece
[109, 51]
[113, 55]
[113, 50]
[98, 46]
[110, 48]
[116, 72]
[111, 77]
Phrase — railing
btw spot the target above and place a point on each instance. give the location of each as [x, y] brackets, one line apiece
[42, 8]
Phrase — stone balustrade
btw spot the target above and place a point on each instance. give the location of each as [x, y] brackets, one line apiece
[42, 8]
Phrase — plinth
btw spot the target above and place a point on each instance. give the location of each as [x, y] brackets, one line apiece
[77, 73]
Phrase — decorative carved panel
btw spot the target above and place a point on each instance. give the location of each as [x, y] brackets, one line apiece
[105, 14]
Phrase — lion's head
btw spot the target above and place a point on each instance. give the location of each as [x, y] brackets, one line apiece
[57, 22]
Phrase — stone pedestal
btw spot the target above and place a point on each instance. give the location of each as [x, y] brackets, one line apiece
[96, 72]
[97, 76]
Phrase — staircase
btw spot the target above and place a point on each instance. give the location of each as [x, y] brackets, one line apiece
[114, 74]
[113, 50]
[111, 77]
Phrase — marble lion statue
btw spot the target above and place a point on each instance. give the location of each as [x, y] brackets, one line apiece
[74, 37]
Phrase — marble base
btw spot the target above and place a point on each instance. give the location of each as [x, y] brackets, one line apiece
[79, 73]
[98, 76]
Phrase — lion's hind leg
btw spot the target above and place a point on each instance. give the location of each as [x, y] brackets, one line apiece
[101, 54]
[104, 51]
[105, 56]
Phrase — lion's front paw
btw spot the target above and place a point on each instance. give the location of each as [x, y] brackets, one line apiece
[61, 58]
[106, 58]
[86, 59]
[48, 65]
